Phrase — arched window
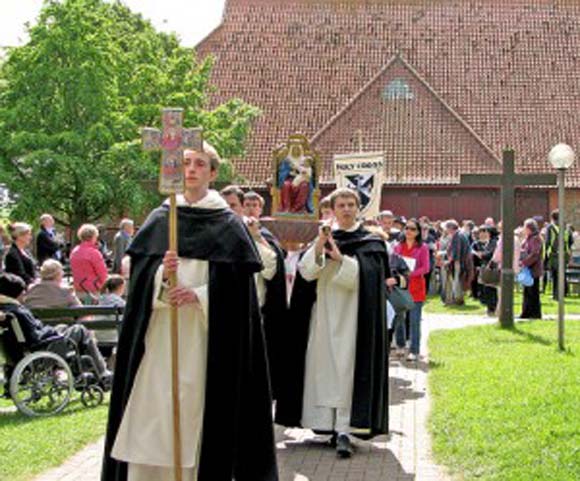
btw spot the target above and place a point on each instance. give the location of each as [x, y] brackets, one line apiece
[398, 89]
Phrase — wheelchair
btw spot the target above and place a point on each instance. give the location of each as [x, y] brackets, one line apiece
[44, 380]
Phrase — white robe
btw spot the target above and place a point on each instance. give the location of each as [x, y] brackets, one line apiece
[269, 260]
[145, 436]
[331, 351]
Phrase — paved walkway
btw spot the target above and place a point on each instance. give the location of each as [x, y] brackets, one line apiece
[403, 456]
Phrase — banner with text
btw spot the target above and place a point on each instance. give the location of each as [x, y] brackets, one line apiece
[364, 173]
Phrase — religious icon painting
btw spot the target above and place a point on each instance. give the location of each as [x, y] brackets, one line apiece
[362, 173]
[172, 175]
[296, 170]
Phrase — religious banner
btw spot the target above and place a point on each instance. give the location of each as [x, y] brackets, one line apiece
[362, 172]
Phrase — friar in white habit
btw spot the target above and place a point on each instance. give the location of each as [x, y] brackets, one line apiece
[336, 367]
[224, 387]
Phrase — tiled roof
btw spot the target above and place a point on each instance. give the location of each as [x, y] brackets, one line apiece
[482, 75]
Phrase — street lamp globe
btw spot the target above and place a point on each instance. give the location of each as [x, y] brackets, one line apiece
[562, 156]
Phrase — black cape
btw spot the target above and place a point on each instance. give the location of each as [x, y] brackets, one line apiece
[274, 312]
[370, 393]
[238, 399]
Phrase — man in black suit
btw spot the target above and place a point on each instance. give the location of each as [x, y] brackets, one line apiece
[47, 246]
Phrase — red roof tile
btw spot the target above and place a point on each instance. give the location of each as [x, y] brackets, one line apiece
[484, 75]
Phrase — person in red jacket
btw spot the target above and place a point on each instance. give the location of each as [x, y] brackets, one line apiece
[87, 265]
[416, 253]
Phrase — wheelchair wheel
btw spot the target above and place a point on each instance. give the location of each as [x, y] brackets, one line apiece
[92, 396]
[41, 384]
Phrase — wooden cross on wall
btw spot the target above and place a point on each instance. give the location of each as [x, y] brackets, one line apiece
[507, 181]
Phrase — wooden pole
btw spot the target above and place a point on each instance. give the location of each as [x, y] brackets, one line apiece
[506, 317]
[175, 346]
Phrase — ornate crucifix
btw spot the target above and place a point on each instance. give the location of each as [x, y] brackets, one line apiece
[507, 181]
[172, 141]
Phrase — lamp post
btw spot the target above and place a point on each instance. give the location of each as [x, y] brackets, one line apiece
[561, 157]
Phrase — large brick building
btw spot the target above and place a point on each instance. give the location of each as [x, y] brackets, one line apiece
[440, 86]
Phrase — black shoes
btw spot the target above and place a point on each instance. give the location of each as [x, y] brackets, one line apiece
[343, 446]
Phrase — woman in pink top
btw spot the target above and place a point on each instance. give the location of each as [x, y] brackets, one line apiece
[414, 248]
[87, 265]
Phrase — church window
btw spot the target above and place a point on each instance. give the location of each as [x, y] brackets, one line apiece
[398, 89]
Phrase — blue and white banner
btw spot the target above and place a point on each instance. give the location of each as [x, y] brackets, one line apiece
[363, 173]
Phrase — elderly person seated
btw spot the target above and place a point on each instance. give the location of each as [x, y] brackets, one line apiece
[87, 265]
[49, 291]
[12, 289]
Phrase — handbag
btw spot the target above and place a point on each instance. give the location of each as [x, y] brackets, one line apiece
[400, 299]
[525, 277]
[490, 274]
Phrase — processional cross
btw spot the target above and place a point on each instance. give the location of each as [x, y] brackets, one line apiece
[508, 180]
[172, 141]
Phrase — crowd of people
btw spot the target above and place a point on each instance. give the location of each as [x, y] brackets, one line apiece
[458, 253]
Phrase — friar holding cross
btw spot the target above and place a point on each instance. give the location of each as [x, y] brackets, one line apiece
[221, 401]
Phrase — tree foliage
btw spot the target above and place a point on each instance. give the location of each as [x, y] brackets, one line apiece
[73, 100]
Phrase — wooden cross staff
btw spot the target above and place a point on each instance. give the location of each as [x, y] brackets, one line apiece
[172, 141]
[507, 180]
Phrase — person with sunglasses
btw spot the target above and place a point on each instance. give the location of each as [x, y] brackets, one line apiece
[416, 253]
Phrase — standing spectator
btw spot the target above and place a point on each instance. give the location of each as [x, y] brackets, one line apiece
[121, 243]
[386, 220]
[483, 251]
[531, 257]
[429, 235]
[467, 227]
[50, 292]
[459, 263]
[47, 244]
[414, 248]
[18, 259]
[103, 246]
[87, 265]
[3, 245]
[575, 246]
[551, 250]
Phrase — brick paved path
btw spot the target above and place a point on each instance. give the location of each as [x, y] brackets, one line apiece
[404, 456]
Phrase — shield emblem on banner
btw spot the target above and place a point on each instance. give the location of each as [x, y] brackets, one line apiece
[364, 184]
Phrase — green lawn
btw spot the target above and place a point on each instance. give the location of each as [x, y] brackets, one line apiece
[506, 403]
[30, 446]
[474, 307]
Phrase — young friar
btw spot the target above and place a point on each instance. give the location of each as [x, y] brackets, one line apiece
[336, 370]
[270, 284]
[224, 386]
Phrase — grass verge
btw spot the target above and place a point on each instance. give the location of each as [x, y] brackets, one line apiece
[505, 402]
[29, 446]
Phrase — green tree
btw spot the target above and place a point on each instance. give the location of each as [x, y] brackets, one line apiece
[73, 99]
